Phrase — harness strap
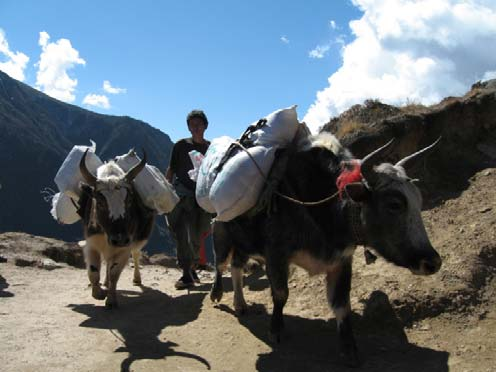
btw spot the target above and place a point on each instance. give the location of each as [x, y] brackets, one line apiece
[243, 139]
[296, 201]
[355, 223]
[353, 211]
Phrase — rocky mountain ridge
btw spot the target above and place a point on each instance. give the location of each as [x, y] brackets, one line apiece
[37, 133]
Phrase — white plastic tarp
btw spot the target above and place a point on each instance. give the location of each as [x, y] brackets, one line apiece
[153, 188]
[68, 176]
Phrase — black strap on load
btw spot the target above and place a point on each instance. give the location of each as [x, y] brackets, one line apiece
[265, 200]
[244, 140]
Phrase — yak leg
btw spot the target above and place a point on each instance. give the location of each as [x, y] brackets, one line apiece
[136, 275]
[239, 300]
[238, 262]
[106, 281]
[338, 295]
[222, 253]
[277, 272]
[115, 265]
[136, 253]
[93, 265]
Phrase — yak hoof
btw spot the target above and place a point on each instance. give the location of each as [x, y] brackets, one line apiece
[240, 308]
[350, 357]
[275, 337]
[216, 294]
[98, 293]
[111, 304]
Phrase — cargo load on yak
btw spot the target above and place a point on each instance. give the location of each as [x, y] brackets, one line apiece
[151, 185]
[67, 179]
[233, 172]
[69, 176]
[153, 188]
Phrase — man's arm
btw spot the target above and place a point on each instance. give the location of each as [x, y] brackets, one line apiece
[169, 173]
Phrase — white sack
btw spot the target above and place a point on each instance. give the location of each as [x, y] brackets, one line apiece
[68, 176]
[279, 130]
[153, 188]
[207, 171]
[63, 210]
[237, 187]
[196, 159]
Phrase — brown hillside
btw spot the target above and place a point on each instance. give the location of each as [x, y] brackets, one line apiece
[467, 125]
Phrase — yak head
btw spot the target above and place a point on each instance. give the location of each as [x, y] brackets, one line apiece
[113, 200]
[390, 213]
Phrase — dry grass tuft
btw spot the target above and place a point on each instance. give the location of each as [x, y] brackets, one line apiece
[347, 127]
[413, 107]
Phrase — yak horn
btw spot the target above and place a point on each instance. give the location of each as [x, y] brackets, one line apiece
[133, 172]
[424, 151]
[368, 161]
[89, 178]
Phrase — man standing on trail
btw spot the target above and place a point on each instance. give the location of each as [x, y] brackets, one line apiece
[187, 220]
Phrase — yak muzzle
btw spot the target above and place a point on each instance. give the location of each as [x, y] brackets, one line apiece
[119, 240]
[428, 266]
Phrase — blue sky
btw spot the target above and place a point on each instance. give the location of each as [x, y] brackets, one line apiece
[240, 60]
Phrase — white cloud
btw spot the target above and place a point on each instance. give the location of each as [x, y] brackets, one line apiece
[421, 51]
[332, 24]
[55, 60]
[107, 87]
[340, 40]
[284, 39]
[97, 100]
[14, 62]
[489, 75]
[319, 52]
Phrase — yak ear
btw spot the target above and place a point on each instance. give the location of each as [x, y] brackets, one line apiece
[357, 192]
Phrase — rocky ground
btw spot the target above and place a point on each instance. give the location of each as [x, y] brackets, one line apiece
[50, 322]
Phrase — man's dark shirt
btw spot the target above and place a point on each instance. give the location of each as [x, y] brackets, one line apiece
[180, 162]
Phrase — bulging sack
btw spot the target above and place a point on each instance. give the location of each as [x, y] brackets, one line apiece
[63, 210]
[279, 129]
[208, 171]
[152, 186]
[237, 187]
[68, 176]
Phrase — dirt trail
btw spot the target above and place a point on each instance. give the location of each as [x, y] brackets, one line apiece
[447, 322]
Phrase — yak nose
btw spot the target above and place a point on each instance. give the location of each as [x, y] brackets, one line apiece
[119, 240]
[430, 266]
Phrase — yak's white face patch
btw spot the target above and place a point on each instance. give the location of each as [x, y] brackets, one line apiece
[116, 202]
[112, 186]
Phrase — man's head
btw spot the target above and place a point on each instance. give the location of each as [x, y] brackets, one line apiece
[197, 123]
[197, 115]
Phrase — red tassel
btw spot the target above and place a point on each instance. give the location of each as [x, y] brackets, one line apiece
[350, 172]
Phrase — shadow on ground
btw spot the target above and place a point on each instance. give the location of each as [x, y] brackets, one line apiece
[310, 344]
[254, 281]
[257, 281]
[140, 320]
